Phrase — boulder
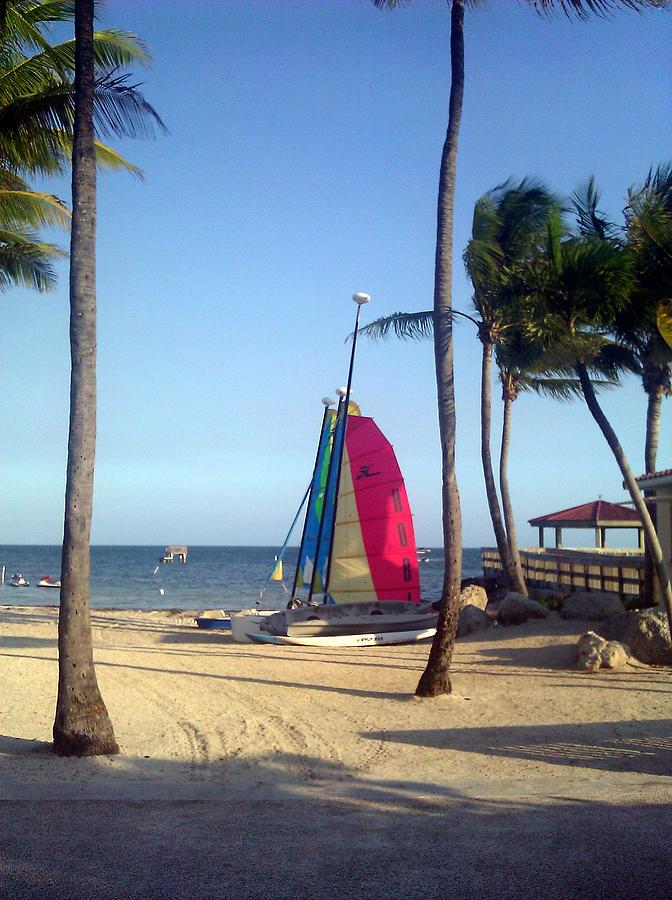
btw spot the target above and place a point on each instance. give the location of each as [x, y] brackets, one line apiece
[593, 653]
[516, 609]
[473, 595]
[591, 606]
[471, 619]
[646, 632]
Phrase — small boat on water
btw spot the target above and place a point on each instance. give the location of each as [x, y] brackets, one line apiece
[17, 580]
[48, 582]
[357, 557]
[423, 554]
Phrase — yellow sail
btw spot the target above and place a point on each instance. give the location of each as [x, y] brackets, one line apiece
[277, 571]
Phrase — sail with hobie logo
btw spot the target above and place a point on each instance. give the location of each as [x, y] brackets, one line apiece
[373, 554]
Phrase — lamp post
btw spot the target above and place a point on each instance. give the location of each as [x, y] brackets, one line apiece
[360, 299]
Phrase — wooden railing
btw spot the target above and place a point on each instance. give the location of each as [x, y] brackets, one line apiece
[619, 572]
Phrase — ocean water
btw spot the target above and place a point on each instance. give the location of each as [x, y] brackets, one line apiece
[212, 578]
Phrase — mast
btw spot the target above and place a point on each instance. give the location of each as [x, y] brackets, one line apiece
[327, 402]
[360, 299]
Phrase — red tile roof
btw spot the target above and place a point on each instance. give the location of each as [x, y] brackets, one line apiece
[661, 474]
[590, 514]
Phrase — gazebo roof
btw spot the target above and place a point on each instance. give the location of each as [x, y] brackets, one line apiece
[592, 515]
[649, 476]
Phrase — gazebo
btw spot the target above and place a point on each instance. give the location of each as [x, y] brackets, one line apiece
[658, 490]
[598, 515]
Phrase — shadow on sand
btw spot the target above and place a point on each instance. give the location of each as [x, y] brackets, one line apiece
[644, 747]
[384, 839]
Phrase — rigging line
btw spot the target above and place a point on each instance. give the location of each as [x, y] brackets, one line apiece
[284, 546]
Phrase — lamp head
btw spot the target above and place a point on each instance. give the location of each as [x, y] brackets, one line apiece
[341, 391]
[361, 298]
[327, 401]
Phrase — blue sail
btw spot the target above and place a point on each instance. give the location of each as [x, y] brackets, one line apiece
[306, 562]
[331, 490]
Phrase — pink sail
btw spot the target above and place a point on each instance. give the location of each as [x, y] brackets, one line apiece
[374, 555]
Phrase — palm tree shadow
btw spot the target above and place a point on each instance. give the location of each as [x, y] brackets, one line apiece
[644, 747]
[554, 657]
[13, 746]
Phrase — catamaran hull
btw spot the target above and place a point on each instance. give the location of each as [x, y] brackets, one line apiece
[242, 626]
[351, 619]
[346, 640]
[351, 626]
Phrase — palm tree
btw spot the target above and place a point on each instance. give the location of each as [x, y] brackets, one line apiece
[36, 120]
[524, 367]
[575, 291]
[435, 679]
[508, 225]
[44, 120]
[648, 219]
[37, 94]
[82, 726]
[648, 238]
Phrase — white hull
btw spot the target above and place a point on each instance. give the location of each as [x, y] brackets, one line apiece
[345, 640]
[351, 619]
[243, 625]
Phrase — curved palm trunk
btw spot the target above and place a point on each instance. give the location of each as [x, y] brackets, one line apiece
[518, 579]
[632, 486]
[82, 726]
[435, 679]
[486, 459]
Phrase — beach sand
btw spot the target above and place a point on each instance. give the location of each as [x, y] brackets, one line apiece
[253, 770]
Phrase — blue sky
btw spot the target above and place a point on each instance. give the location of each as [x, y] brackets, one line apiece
[302, 166]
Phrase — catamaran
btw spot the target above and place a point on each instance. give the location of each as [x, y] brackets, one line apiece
[356, 581]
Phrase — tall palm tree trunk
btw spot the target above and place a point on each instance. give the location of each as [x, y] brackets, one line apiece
[435, 679]
[653, 409]
[82, 726]
[632, 486]
[518, 579]
[486, 460]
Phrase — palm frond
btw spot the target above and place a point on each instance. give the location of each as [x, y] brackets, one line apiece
[562, 389]
[582, 9]
[27, 262]
[613, 359]
[107, 159]
[591, 222]
[121, 110]
[32, 208]
[405, 326]
[112, 48]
